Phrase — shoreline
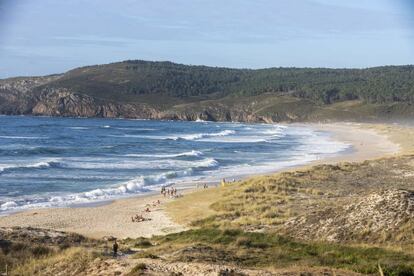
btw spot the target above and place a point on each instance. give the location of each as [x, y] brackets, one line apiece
[113, 218]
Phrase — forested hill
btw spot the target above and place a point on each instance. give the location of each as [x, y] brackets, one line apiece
[143, 89]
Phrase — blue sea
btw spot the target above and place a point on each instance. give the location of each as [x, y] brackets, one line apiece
[60, 162]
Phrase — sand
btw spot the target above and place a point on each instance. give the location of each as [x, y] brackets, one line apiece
[114, 219]
[367, 142]
[97, 222]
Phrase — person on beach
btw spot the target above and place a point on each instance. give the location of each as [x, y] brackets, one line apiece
[115, 249]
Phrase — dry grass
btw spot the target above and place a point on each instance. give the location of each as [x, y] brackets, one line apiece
[73, 261]
[193, 206]
[319, 198]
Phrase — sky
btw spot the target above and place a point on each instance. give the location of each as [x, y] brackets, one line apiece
[39, 37]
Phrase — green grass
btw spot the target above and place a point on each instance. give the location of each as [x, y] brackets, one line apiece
[261, 250]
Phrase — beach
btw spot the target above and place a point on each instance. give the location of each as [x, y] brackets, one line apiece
[114, 219]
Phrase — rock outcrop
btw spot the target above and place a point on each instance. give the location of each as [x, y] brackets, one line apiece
[31, 97]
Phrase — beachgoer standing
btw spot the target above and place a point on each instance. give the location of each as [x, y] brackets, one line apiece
[115, 248]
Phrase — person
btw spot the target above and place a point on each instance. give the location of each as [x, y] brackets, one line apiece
[115, 248]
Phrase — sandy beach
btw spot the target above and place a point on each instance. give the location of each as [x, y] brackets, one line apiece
[114, 219]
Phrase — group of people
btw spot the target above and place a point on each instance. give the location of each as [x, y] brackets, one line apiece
[168, 192]
[139, 217]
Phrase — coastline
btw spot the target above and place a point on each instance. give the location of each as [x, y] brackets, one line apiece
[114, 219]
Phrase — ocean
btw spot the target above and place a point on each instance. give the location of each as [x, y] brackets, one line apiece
[63, 162]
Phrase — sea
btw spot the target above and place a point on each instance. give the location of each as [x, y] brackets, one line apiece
[66, 162]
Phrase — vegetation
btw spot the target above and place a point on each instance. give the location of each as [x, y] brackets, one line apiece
[364, 202]
[353, 216]
[73, 261]
[129, 79]
[263, 250]
[165, 90]
[29, 251]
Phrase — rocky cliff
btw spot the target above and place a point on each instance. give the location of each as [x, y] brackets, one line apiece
[32, 96]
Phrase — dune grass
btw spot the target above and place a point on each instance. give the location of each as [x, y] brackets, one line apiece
[246, 223]
[267, 203]
[269, 250]
[73, 261]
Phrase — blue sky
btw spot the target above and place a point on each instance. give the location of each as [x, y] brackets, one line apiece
[51, 36]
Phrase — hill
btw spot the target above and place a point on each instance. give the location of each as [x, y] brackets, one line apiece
[165, 90]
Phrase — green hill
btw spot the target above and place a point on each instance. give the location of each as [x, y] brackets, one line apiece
[165, 90]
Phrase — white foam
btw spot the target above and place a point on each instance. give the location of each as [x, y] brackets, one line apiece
[36, 165]
[133, 186]
[8, 205]
[136, 128]
[196, 136]
[116, 163]
[188, 153]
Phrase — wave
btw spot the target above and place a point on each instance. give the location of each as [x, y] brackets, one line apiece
[136, 128]
[203, 135]
[194, 153]
[136, 185]
[238, 139]
[37, 165]
[112, 164]
[207, 163]
[188, 137]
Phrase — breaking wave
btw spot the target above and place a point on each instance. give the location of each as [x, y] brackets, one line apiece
[203, 135]
[37, 165]
[195, 153]
[130, 187]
